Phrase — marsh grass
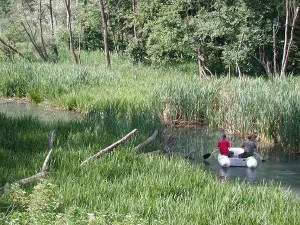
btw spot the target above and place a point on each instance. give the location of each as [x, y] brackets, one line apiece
[266, 108]
[124, 184]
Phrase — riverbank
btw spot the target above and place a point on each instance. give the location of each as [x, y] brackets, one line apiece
[13, 100]
[269, 109]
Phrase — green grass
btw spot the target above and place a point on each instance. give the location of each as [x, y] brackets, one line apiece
[123, 184]
[269, 109]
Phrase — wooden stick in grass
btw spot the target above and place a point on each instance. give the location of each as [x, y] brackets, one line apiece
[109, 148]
[188, 156]
[43, 170]
[153, 153]
[148, 141]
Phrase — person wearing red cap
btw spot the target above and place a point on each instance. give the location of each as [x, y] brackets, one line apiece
[249, 147]
[224, 146]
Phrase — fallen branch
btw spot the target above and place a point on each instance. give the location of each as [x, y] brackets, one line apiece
[148, 141]
[43, 170]
[49, 154]
[29, 179]
[109, 148]
[153, 153]
[188, 156]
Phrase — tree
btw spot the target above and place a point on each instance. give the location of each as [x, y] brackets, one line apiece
[287, 46]
[68, 7]
[54, 46]
[11, 48]
[44, 49]
[105, 36]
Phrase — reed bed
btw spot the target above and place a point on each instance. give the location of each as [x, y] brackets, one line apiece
[124, 187]
[267, 108]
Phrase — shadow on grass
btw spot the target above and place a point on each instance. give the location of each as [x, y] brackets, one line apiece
[24, 140]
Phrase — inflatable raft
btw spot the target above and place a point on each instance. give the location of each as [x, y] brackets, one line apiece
[226, 161]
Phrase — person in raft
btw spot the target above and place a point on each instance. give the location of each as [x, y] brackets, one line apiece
[224, 146]
[249, 147]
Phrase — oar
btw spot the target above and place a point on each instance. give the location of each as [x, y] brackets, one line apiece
[263, 160]
[208, 154]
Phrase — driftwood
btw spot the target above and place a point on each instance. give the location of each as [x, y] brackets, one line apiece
[43, 170]
[29, 179]
[188, 156]
[148, 141]
[153, 153]
[109, 148]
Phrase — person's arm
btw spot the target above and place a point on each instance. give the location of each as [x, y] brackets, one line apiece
[243, 144]
[255, 146]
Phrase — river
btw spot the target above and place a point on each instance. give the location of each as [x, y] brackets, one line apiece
[280, 167]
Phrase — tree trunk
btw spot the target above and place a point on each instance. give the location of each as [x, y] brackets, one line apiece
[11, 48]
[133, 13]
[41, 30]
[79, 42]
[285, 60]
[237, 56]
[275, 30]
[67, 2]
[285, 36]
[54, 47]
[33, 42]
[116, 47]
[269, 70]
[201, 62]
[105, 36]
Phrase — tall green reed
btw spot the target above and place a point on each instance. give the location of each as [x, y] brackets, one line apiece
[244, 106]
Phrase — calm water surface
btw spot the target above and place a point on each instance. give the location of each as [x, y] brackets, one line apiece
[279, 167]
[42, 113]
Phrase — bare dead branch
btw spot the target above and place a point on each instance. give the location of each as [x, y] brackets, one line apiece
[51, 139]
[29, 179]
[43, 170]
[148, 141]
[188, 156]
[46, 161]
[109, 148]
[153, 153]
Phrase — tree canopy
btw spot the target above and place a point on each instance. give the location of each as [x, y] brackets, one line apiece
[231, 35]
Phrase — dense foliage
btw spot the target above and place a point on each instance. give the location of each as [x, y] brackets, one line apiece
[158, 31]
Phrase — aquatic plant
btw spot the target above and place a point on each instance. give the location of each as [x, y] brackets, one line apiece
[267, 108]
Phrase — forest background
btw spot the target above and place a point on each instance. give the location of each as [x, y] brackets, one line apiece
[250, 37]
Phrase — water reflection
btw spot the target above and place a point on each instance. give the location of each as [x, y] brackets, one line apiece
[244, 173]
[42, 113]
